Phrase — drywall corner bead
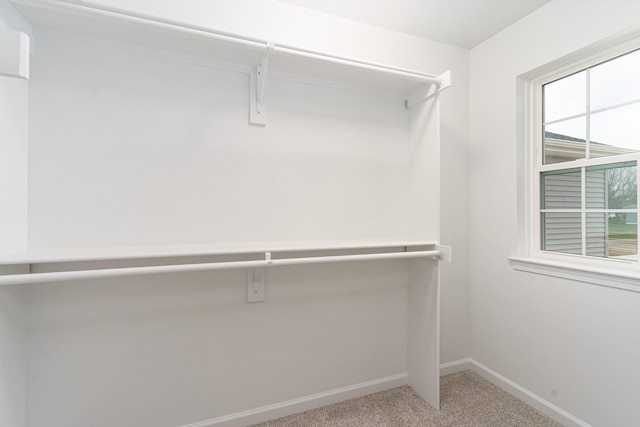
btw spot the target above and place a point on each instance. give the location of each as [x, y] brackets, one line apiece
[14, 54]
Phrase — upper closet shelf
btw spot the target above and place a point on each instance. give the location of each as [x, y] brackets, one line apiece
[151, 32]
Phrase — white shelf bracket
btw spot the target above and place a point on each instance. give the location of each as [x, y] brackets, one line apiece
[446, 253]
[258, 83]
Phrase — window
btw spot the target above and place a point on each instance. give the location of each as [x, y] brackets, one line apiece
[578, 134]
[587, 152]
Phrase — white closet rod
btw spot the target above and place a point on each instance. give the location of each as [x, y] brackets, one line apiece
[256, 44]
[62, 276]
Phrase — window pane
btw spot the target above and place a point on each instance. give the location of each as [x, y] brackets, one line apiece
[612, 235]
[562, 232]
[565, 97]
[621, 235]
[565, 141]
[616, 81]
[612, 187]
[615, 131]
[561, 190]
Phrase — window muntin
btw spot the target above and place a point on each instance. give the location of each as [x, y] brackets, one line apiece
[591, 116]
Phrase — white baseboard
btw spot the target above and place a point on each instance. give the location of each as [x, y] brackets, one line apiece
[269, 412]
[531, 399]
[294, 406]
[456, 366]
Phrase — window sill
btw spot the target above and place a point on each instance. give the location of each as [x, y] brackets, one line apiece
[615, 278]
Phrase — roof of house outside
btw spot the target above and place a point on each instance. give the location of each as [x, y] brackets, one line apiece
[562, 148]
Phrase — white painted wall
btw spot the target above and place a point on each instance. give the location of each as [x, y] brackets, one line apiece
[283, 23]
[129, 150]
[134, 151]
[170, 350]
[107, 129]
[14, 93]
[571, 343]
[153, 152]
[13, 360]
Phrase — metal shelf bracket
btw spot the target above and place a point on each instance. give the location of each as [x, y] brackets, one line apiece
[258, 83]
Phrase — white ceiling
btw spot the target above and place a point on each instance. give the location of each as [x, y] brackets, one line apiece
[463, 23]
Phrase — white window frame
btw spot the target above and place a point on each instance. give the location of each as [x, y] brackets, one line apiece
[616, 273]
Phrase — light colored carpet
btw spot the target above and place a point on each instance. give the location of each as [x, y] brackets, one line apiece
[466, 399]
